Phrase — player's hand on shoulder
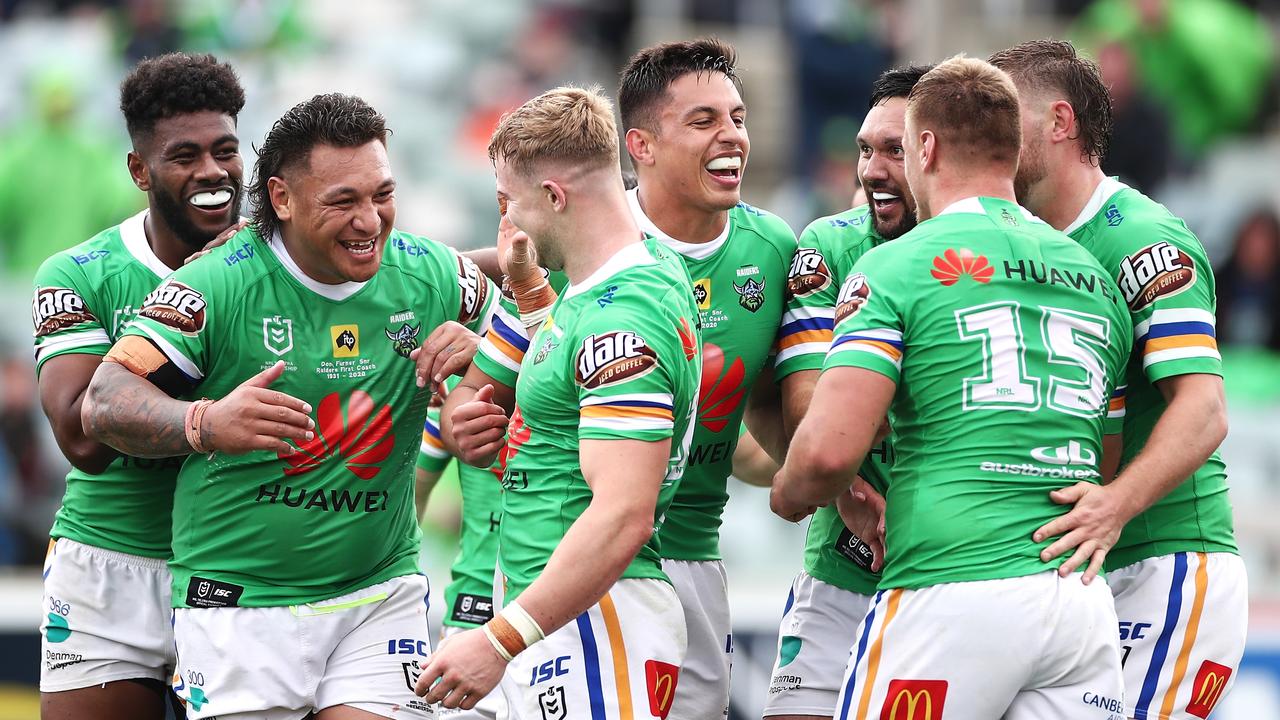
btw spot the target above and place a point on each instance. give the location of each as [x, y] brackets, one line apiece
[448, 351]
[218, 241]
[1090, 529]
[255, 417]
[479, 428]
[462, 671]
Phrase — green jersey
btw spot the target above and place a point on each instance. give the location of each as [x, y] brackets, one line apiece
[336, 514]
[1167, 283]
[829, 248]
[739, 280]
[617, 359]
[1005, 339]
[83, 299]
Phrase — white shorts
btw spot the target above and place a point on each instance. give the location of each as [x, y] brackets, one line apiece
[817, 633]
[1183, 621]
[364, 649]
[492, 707]
[1037, 647]
[106, 618]
[620, 659]
[702, 586]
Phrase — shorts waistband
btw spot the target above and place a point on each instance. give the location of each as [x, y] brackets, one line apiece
[120, 557]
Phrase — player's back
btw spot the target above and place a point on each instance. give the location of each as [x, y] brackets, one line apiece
[1009, 338]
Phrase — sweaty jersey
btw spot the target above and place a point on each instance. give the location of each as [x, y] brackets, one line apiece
[829, 248]
[739, 282]
[336, 514]
[83, 298]
[1005, 339]
[1167, 283]
[617, 359]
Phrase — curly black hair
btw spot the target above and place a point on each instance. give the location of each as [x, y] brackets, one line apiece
[335, 119]
[1055, 65]
[896, 83]
[176, 84]
[648, 74]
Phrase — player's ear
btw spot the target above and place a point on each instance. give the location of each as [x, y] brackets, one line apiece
[138, 171]
[1064, 122]
[640, 146]
[928, 150]
[278, 191]
[555, 195]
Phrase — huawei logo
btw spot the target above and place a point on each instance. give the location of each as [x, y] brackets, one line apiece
[951, 265]
[362, 437]
[721, 391]
[517, 434]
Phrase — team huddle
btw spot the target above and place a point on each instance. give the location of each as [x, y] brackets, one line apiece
[992, 387]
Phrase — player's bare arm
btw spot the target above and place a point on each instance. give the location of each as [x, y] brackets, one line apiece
[839, 428]
[64, 382]
[134, 416]
[487, 260]
[1112, 448]
[797, 393]
[473, 421]
[624, 476]
[751, 464]
[1191, 427]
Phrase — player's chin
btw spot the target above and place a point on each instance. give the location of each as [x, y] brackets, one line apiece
[357, 261]
[211, 224]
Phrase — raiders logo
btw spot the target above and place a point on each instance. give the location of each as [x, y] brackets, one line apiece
[1155, 271]
[853, 295]
[475, 290]
[808, 273]
[177, 305]
[612, 358]
[55, 308]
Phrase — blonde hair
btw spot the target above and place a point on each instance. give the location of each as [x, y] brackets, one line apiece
[566, 124]
[970, 105]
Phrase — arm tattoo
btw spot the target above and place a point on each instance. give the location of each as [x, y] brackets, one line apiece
[133, 416]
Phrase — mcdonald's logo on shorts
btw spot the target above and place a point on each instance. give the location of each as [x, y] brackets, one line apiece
[914, 700]
[1211, 682]
[660, 680]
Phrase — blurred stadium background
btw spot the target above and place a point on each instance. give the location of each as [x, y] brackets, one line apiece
[1195, 85]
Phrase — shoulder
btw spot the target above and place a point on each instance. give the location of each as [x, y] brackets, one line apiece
[230, 267]
[769, 227]
[99, 255]
[1130, 222]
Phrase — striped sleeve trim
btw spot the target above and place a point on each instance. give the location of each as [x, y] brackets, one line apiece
[432, 444]
[175, 355]
[1116, 407]
[1176, 334]
[71, 341]
[633, 411]
[882, 342]
[505, 343]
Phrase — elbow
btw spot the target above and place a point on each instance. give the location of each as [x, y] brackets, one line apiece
[1217, 422]
[633, 531]
[89, 409]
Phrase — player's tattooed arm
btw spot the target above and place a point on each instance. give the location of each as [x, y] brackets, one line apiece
[64, 382]
[133, 416]
[764, 416]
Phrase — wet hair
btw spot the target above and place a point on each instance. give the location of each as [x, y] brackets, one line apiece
[650, 72]
[971, 106]
[896, 83]
[564, 125]
[177, 84]
[1054, 65]
[344, 121]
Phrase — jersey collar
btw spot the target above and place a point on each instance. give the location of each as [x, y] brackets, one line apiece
[693, 251]
[134, 236]
[973, 206]
[338, 292]
[1108, 187]
[633, 255]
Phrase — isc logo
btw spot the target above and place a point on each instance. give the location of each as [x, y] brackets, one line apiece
[1155, 271]
[549, 669]
[1133, 630]
[408, 646]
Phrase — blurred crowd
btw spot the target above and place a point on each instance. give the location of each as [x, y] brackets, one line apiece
[1194, 84]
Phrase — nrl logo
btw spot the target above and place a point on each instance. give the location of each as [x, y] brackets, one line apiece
[404, 340]
[750, 294]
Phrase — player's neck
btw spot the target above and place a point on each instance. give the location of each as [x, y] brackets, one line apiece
[678, 219]
[1061, 197]
[951, 189]
[605, 229]
[164, 241]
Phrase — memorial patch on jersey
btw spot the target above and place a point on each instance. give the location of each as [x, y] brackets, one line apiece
[853, 295]
[1155, 271]
[474, 290]
[612, 358]
[952, 265]
[808, 273]
[56, 308]
[176, 305]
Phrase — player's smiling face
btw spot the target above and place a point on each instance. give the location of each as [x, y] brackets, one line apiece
[338, 211]
[701, 147]
[881, 169]
[191, 167]
[523, 201]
